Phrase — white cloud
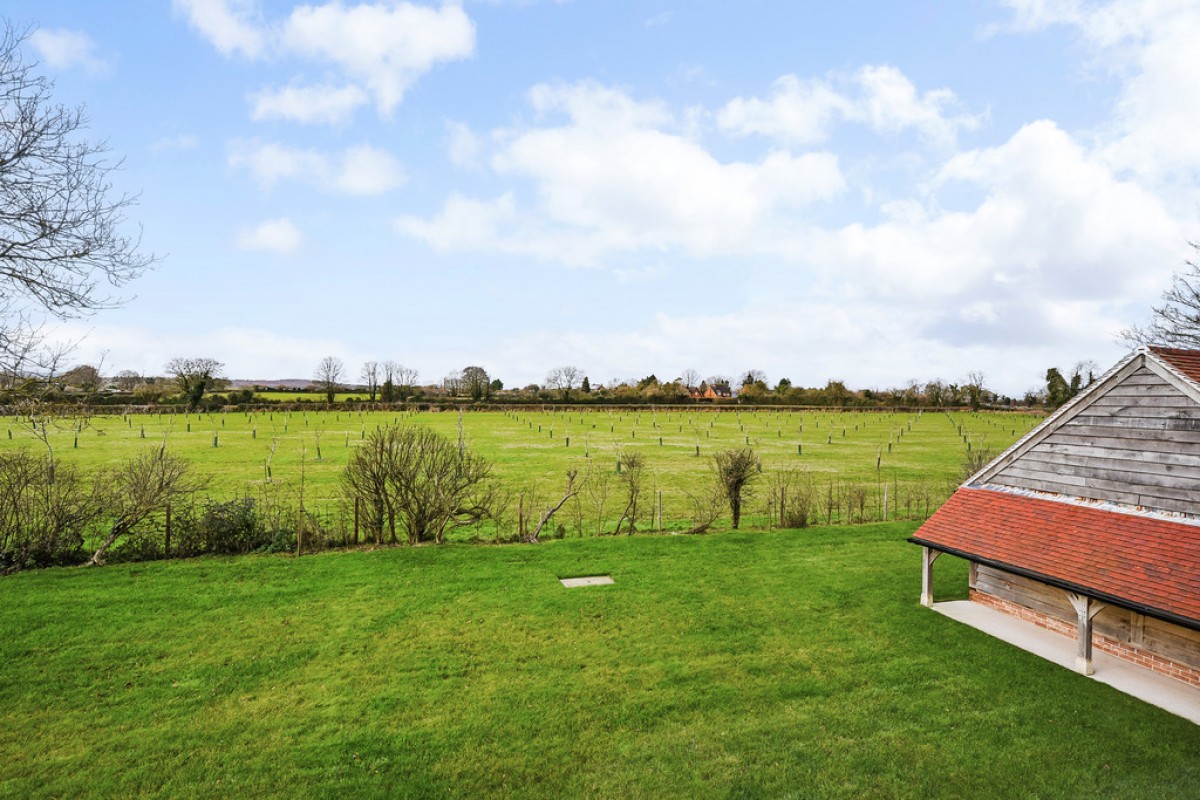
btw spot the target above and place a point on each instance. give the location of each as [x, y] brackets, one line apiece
[463, 147]
[181, 141]
[232, 26]
[64, 49]
[803, 112]
[274, 236]
[385, 46]
[322, 104]
[614, 177]
[380, 49]
[362, 170]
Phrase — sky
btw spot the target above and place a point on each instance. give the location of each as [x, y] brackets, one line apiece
[872, 192]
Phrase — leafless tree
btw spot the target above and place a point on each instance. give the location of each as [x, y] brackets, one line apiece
[735, 472]
[195, 376]
[571, 490]
[411, 476]
[633, 475]
[83, 376]
[127, 380]
[140, 488]
[690, 378]
[370, 376]
[565, 380]
[61, 245]
[1176, 322]
[328, 376]
[406, 381]
[45, 514]
[753, 376]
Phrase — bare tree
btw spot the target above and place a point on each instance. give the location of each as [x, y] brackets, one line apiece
[60, 222]
[406, 381]
[127, 380]
[754, 376]
[370, 376]
[328, 376]
[195, 376]
[83, 376]
[140, 488]
[632, 474]
[565, 380]
[571, 491]
[735, 471]
[1176, 322]
[414, 477]
[690, 378]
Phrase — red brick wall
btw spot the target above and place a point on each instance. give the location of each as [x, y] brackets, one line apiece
[1122, 650]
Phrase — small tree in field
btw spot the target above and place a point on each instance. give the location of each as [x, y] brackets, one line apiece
[736, 471]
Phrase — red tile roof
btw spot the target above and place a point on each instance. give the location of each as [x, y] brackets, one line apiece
[1185, 361]
[1149, 562]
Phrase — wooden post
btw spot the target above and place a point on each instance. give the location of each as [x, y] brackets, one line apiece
[1085, 610]
[356, 519]
[660, 510]
[928, 556]
[167, 534]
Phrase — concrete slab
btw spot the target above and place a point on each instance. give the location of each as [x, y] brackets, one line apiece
[590, 580]
[1159, 690]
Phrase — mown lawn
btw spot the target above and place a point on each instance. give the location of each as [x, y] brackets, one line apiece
[791, 663]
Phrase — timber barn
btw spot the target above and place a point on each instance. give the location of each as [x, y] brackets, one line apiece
[1089, 526]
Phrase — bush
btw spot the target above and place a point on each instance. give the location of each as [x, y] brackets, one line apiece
[217, 527]
[46, 512]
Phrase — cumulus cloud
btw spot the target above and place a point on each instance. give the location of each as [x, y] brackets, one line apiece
[308, 104]
[362, 170]
[63, 49]
[273, 236]
[231, 26]
[463, 146]
[803, 112]
[619, 175]
[379, 49]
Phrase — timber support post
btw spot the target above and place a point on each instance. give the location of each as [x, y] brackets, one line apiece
[1085, 611]
[928, 556]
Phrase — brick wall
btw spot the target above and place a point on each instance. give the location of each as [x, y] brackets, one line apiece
[1123, 650]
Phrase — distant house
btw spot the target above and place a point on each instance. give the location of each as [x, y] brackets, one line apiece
[1090, 525]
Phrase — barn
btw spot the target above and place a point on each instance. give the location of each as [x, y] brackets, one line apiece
[1089, 526]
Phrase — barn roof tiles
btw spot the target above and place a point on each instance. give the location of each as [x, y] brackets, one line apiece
[1147, 562]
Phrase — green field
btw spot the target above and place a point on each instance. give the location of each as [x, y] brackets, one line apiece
[915, 457]
[777, 664]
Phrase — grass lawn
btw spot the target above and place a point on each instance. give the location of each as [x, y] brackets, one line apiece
[790, 663]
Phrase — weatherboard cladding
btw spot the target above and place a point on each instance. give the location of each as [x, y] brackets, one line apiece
[1148, 562]
[1134, 442]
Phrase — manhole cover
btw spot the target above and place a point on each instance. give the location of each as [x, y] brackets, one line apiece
[587, 580]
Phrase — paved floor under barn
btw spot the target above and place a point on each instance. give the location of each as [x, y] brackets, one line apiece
[1139, 682]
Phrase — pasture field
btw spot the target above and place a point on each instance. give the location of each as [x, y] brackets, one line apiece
[771, 664]
[914, 457]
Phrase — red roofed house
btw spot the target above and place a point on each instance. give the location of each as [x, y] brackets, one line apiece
[1090, 525]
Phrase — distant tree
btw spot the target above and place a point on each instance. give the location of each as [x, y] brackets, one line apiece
[585, 386]
[1058, 391]
[690, 378]
[60, 220]
[127, 380]
[975, 389]
[84, 376]
[649, 381]
[476, 383]
[328, 376]
[195, 376]
[370, 376]
[496, 385]
[406, 381]
[735, 472]
[935, 392]
[564, 380]
[783, 385]
[754, 376]
[1176, 322]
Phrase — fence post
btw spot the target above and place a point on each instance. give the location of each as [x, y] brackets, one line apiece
[356, 519]
[167, 544]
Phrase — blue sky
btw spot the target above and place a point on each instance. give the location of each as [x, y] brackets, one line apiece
[865, 191]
